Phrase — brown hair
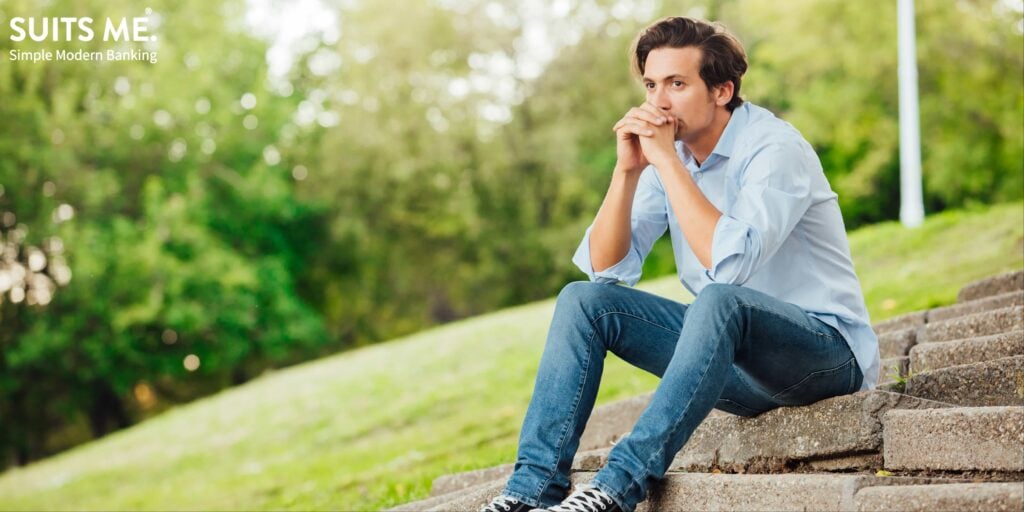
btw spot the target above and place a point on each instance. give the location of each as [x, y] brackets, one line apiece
[722, 56]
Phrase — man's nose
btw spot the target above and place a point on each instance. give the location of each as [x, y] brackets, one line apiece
[660, 99]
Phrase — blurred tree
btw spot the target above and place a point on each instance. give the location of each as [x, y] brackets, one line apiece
[186, 240]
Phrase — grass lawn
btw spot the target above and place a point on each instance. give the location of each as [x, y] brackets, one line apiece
[371, 428]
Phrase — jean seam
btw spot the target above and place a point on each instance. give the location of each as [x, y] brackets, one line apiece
[741, 377]
[575, 407]
[521, 498]
[631, 315]
[675, 424]
[789, 320]
[812, 374]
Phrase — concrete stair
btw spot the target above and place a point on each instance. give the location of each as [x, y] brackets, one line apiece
[946, 423]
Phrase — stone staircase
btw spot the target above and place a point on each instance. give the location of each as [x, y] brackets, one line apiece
[944, 430]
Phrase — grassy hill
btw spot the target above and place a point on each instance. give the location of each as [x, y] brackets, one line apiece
[372, 427]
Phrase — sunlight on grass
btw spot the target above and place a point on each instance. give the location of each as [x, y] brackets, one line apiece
[373, 427]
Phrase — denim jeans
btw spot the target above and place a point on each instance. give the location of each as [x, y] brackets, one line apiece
[733, 348]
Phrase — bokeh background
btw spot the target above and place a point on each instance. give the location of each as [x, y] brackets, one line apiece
[292, 179]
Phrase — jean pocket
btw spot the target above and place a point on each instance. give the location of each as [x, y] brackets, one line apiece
[820, 384]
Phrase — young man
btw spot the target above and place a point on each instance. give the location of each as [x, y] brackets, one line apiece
[778, 319]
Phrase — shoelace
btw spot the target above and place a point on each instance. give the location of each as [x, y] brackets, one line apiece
[504, 502]
[588, 499]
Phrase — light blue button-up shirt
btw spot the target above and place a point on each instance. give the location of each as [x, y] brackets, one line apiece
[781, 231]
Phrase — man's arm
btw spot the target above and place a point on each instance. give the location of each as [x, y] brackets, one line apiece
[611, 235]
[696, 215]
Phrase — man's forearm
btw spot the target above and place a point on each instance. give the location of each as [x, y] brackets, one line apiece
[611, 235]
[696, 215]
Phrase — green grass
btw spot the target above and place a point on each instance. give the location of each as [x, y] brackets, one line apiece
[371, 428]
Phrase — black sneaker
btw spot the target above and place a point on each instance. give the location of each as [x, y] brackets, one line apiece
[587, 498]
[506, 504]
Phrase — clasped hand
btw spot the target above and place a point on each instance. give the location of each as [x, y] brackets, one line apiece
[645, 136]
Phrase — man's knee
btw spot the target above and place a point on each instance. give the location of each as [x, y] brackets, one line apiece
[588, 296]
[582, 292]
[719, 294]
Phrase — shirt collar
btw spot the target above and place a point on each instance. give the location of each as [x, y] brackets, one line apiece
[732, 130]
[724, 146]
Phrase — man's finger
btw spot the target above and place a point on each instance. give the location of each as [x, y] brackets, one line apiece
[636, 128]
[653, 110]
[647, 116]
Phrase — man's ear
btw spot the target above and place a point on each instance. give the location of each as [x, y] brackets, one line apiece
[723, 93]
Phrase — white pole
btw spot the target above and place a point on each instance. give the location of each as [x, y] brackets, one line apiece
[911, 203]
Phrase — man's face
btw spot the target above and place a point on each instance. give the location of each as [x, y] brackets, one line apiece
[673, 83]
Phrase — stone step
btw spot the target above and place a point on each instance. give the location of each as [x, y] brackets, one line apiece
[907, 321]
[705, 491]
[957, 438]
[918, 318]
[491, 488]
[897, 343]
[1003, 300]
[470, 500]
[995, 382]
[608, 422]
[994, 497]
[892, 369]
[793, 491]
[835, 434]
[979, 324]
[590, 460]
[846, 428]
[932, 356]
[450, 483]
[1011, 281]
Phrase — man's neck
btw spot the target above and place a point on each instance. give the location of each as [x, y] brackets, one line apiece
[702, 146]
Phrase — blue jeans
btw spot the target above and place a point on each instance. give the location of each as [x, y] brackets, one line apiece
[733, 348]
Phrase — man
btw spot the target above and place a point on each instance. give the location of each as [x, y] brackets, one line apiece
[778, 320]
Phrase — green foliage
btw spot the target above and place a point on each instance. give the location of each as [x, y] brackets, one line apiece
[186, 239]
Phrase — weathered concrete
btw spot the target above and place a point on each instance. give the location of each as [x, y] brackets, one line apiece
[893, 367]
[434, 502]
[1003, 300]
[971, 326]
[907, 321]
[993, 497]
[995, 382]
[835, 427]
[1004, 283]
[609, 422]
[847, 463]
[960, 438]
[943, 354]
[590, 460]
[713, 492]
[470, 500]
[458, 481]
[897, 343]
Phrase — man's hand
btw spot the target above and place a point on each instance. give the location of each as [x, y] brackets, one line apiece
[645, 135]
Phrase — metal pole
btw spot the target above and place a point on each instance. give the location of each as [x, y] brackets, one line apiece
[911, 203]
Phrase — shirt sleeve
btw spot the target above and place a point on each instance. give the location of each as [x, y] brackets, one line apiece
[648, 222]
[775, 192]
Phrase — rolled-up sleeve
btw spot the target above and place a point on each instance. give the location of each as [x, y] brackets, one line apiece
[774, 194]
[648, 222]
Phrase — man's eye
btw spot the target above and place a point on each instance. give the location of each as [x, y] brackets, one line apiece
[677, 83]
[649, 85]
